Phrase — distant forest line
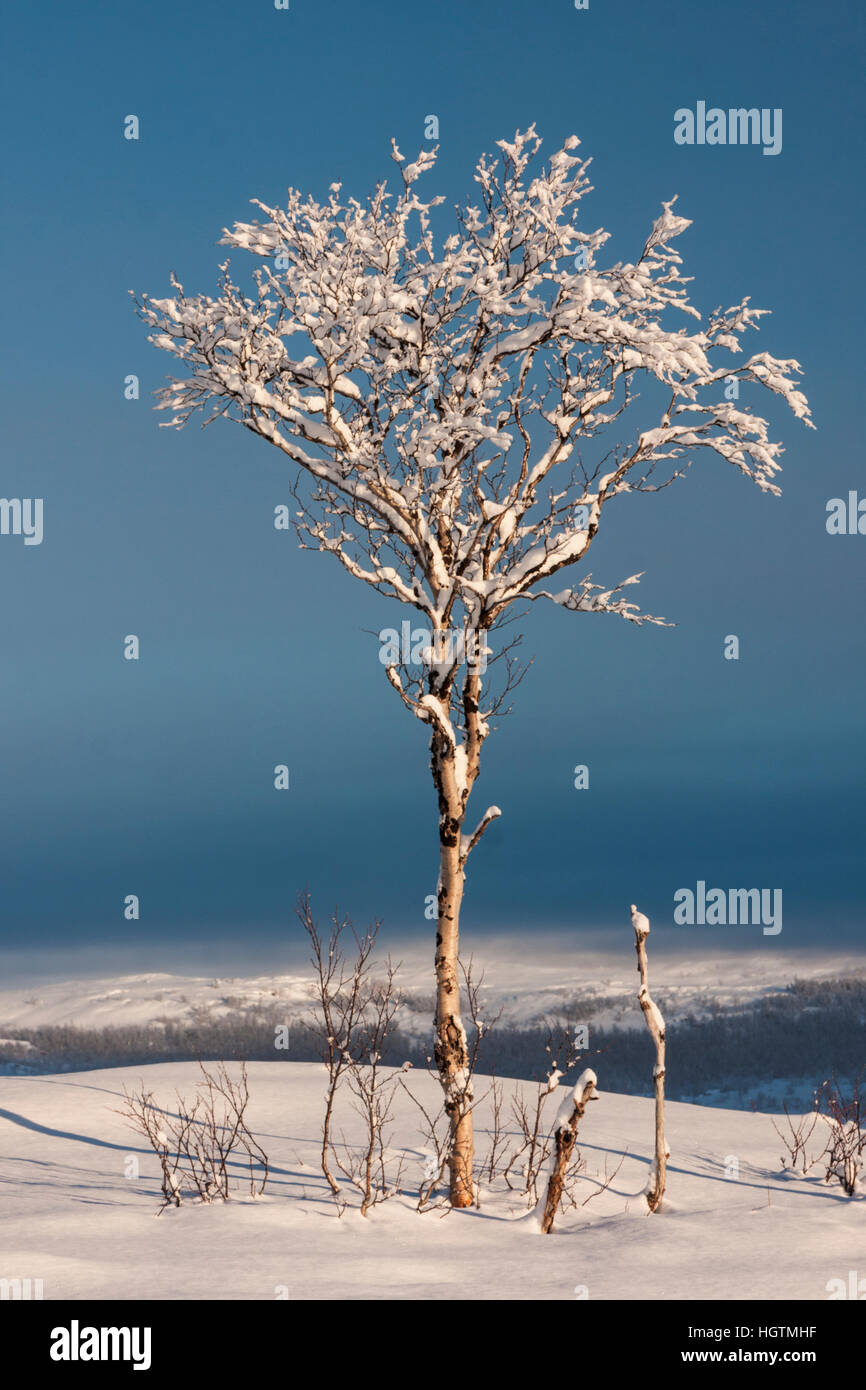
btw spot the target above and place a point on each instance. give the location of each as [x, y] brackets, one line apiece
[777, 1049]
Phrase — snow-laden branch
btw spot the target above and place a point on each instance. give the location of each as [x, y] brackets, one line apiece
[470, 841]
[429, 709]
[592, 598]
[444, 398]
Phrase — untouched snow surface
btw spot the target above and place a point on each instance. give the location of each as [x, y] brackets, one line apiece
[734, 1225]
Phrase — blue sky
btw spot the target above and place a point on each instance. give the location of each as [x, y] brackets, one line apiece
[155, 777]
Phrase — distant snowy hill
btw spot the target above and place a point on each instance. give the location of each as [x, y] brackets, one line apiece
[529, 983]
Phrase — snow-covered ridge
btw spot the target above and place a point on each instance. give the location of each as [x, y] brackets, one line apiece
[527, 990]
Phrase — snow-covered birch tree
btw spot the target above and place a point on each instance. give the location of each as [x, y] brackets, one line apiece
[445, 399]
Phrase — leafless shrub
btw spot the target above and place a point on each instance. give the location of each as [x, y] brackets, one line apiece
[846, 1136]
[574, 1193]
[535, 1136]
[197, 1146]
[481, 1027]
[795, 1138]
[436, 1138]
[498, 1135]
[342, 996]
[839, 1120]
[366, 1168]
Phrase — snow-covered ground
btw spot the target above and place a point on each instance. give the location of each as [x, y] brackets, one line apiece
[734, 1226]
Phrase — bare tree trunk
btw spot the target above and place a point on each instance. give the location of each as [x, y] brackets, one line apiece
[455, 767]
[451, 1043]
[565, 1138]
[326, 1140]
[451, 1048]
[656, 1024]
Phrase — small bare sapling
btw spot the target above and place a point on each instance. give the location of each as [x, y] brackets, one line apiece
[656, 1184]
